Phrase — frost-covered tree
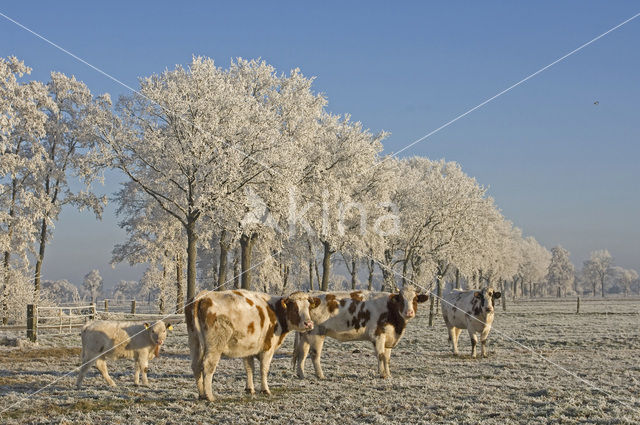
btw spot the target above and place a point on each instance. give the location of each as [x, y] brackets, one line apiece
[153, 237]
[625, 278]
[597, 269]
[338, 181]
[68, 152]
[533, 267]
[22, 162]
[61, 291]
[561, 272]
[92, 284]
[195, 138]
[126, 290]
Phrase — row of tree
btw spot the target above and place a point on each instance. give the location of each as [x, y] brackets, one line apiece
[240, 177]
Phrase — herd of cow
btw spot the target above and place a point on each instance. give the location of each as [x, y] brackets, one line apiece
[249, 325]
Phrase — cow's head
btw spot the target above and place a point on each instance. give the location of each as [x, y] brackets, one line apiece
[406, 302]
[483, 300]
[296, 307]
[158, 331]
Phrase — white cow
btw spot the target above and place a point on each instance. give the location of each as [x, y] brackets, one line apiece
[103, 340]
[378, 317]
[243, 324]
[471, 310]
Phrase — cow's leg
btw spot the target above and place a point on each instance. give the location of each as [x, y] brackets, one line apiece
[101, 364]
[144, 367]
[454, 340]
[379, 346]
[196, 363]
[483, 340]
[317, 342]
[248, 366]
[302, 351]
[474, 342]
[387, 357]
[210, 363]
[265, 364]
[136, 373]
[86, 364]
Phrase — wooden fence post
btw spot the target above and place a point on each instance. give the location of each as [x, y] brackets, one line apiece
[578, 306]
[106, 305]
[92, 315]
[32, 322]
[133, 306]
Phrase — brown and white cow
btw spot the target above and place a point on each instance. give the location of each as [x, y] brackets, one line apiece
[378, 317]
[471, 310]
[103, 339]
[243, 324]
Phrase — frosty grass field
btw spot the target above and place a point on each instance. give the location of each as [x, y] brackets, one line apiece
[429, 385]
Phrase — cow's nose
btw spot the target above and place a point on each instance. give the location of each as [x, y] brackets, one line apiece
[308, 324]
[410, 313]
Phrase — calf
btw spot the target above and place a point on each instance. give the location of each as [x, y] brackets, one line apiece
[378, 317]
[102, 340]
[242, 324]
[471, 310]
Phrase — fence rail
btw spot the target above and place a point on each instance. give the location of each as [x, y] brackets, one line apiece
[66, 319]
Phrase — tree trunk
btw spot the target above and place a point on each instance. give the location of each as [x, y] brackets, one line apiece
[602, 279]
[326, 266]
[161, 302]
[222, 267]
[285, 277]
[503, 298]
[594, 288]
[457, 279]
[370, 279]
[40, 258]
[431, 308]
[236, 271]
[387, 273]
[354, 269]
[405, 265]
[438, 292]
[315, 268]
[5, 287]
[246, 246]
[179, 285]
[192, 255]
[310, 275]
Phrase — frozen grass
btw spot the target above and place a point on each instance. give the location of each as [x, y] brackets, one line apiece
[429, 385]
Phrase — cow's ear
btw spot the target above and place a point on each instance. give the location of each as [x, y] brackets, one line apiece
[394, 297]
[169, 326]
[477, 294]
[146, 325]
[314, 302]
[283, 302]
[497, 295]
[422, 298]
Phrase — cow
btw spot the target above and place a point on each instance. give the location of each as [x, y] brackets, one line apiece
[471, 310]
[244, 324]
[378, 317]
[102, 340]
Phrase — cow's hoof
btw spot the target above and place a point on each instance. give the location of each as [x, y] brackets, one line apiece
[265, 392]
[300, 375]
[202, 397]
[250, 391]
[321, 376]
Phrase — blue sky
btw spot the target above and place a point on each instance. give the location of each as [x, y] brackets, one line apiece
[563, 169]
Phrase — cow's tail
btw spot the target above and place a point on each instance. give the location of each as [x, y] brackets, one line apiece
[294, 356]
